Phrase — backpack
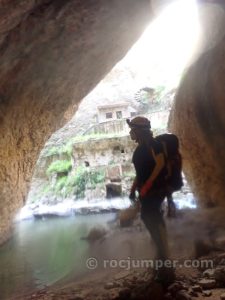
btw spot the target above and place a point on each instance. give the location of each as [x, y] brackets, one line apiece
[173, 158]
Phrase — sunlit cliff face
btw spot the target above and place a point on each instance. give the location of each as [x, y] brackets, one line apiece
[168, 45]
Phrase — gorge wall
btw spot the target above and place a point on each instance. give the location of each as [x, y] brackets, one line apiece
[52, 54]
[199, 112]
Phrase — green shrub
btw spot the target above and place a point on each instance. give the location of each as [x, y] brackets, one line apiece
[77, 183]
[80, 181]
[46, 188]
[62, 149]
[60, 184]
[52, 151]
[67, 149]
[97, 176]
[59, 166]
[74, 183]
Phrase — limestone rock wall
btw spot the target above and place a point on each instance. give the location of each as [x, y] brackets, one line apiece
[114, 150]
[52, 54]
[199, 114]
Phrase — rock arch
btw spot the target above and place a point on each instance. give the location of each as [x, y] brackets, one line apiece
[54, 52]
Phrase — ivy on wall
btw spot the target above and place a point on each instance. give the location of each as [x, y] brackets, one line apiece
[72, 182]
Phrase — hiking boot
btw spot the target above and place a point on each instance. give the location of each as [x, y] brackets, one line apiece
[165, 276]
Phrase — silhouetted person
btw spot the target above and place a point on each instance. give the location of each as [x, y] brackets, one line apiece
[150, 182]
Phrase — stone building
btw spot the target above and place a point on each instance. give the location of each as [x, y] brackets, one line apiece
[115, 111]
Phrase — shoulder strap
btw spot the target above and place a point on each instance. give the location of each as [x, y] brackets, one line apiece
[159, 164]
[153, 153]
[164, 149]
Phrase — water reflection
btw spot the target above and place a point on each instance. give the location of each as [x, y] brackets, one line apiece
[44, 251]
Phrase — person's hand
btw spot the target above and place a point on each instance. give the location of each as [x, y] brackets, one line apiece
[145, 189]
[132, 196]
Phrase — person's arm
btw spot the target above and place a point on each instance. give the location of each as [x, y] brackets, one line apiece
[159, 164]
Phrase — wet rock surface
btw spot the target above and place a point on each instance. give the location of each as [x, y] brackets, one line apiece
[140, 285]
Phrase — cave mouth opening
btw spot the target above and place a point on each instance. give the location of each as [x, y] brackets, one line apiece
[168, 45]
[155, 63]
[157, 60]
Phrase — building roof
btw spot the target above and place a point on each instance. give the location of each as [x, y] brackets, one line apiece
[113, 105]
